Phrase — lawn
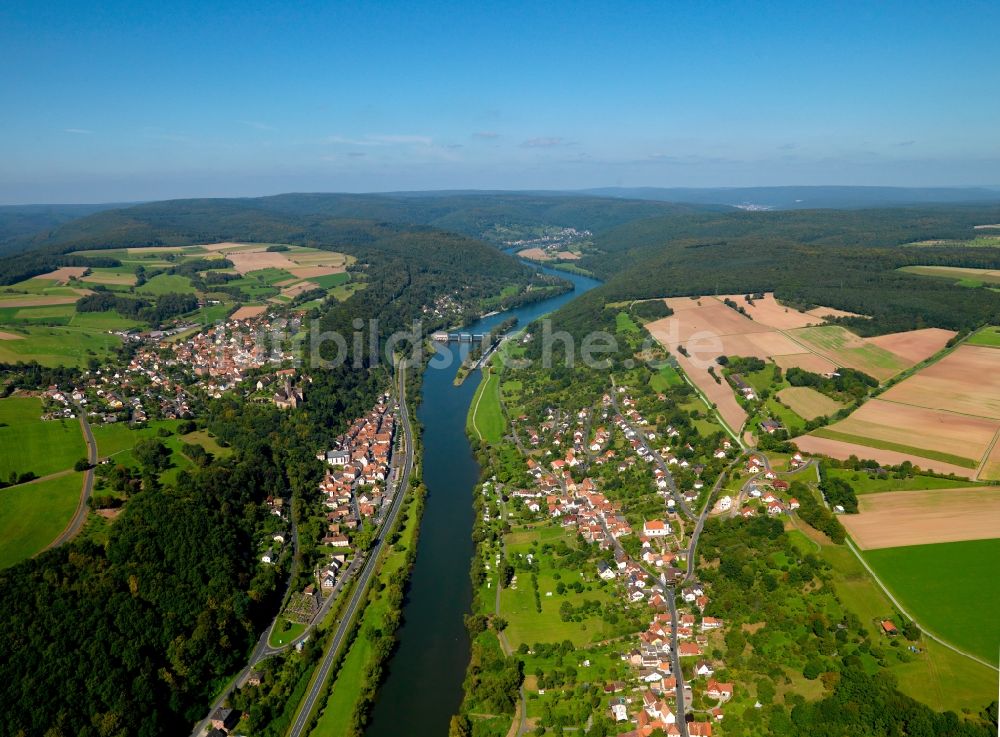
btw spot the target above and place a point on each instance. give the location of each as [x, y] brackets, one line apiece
[117, 440]
[57, 346]
[937, 676]
[988, 336]
[167, 283]
[28, 443]
[825, 432]
[665, 378]
[485, 416]
[624, 324]
[32, 515]
[517, 606]
[950, 587]
[280, 635]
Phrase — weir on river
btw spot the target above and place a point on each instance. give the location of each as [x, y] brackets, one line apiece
[424, 685]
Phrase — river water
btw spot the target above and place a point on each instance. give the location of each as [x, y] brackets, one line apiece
[424, 685]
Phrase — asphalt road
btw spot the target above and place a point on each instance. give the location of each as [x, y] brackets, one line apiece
[80, 516]
[364, 565]
[318, 685]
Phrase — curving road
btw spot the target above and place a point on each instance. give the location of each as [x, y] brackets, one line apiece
[364, 564]
[79, 519]
[318, 684]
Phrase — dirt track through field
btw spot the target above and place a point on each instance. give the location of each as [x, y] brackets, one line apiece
[899, 518]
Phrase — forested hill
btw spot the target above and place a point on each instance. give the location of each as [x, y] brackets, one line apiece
[306, 215]
[22, 223]
[836, 258]
[802, 198]
[461, 261]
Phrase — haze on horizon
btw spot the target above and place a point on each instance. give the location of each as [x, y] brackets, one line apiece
[126, 101]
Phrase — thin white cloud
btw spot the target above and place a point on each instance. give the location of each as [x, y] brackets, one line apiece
[79, 131]
[382, 139]
[544, 142]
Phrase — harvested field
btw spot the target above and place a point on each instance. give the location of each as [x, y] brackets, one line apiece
[685, 303]
[10, 336]
[567, 255]
[915, 345]
[832, 312]
[285, 282]
[966, 380]
[921, 517]
[229, 245]
[306, 272]
[36, 301]
[762, 345]
[719, 394]
[843, 450]
[808, 403]
[990, 470]
[921, 428]
[535, 254]
[844, 348]
[299, 288]
[64, 273]
[246, 261]
[806, 362]
[249, 311]
[768, 311]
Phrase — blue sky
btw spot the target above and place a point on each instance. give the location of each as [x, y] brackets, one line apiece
[135, 100]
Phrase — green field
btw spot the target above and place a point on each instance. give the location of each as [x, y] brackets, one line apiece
[950, 587]
[963, 276]
[665, 378]
[517, 606]
[983, 241]
[32, 515]
[826, 432]
[281, 636]
[937, 676]
[988, 336]
[843, 348]
[329, 281]
[624, 324]
[166, 283]
[28, 443]
[864, 484]
[485, 416]
[57, 346]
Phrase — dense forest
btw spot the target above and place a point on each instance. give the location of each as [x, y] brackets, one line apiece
[843, 259]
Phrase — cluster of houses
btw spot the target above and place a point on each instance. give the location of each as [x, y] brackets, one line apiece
[650, 705]
[764, 492]
[354, 487]
[224, 355]
[136, 393]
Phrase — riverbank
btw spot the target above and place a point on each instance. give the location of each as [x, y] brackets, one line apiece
[432, 640]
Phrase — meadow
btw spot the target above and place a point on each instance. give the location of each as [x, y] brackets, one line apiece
[988, 337]
[937, 676]
[485, 416]
[32, 515]
[28, 443]
[951, 587]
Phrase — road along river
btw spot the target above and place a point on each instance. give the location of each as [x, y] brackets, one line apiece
[424, 684]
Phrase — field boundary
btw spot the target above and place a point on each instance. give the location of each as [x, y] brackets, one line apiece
[930, 455]
[902, 610]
